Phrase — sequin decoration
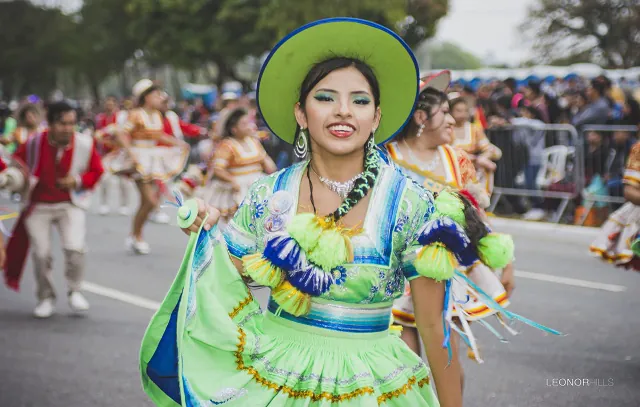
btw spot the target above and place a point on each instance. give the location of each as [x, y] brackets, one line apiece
[226, 395]
[255, 357]
[400, 224]
[275, 223]
[280, 202]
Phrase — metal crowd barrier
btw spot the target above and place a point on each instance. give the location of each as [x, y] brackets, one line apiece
[538, 162]
[610, 166]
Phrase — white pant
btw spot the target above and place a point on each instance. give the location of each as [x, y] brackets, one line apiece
[107, 186]
[71, 223]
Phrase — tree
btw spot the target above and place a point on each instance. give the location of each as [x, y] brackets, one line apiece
[102, 42]
[421, 20]
[607, 30]
[188, 34]
[34, 46]
[414, 20]
[450, 56]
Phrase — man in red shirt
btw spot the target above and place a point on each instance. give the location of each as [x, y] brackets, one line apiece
[61, 167]
[106, 125]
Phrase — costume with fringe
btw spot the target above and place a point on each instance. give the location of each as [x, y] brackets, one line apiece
[243, 160]
[326, 335]
[471, 139]
[154, 162]
[475, 292]
[614, 243]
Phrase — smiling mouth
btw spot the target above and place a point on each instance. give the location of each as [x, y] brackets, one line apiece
[342, 130]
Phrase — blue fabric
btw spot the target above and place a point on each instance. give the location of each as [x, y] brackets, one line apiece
[343, 321]
[163, 366]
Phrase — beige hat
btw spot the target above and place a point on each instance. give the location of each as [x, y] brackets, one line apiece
[142, 86]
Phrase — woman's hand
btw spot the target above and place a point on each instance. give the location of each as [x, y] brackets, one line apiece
[204, 210]
[486, 163]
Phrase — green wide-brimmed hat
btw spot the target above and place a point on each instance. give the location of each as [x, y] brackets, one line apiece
[292, 58]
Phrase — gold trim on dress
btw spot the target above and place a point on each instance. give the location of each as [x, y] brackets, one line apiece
[309, 394]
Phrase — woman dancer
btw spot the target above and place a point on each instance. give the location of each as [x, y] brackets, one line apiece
[423, 152]
[614, 243]
[238, 161]
[471, 138]
[142, 156]
[333, 236]
[28, 124]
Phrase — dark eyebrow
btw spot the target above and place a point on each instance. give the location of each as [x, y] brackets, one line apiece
[357, 92]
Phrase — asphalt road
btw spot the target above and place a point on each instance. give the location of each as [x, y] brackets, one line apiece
[76, 362]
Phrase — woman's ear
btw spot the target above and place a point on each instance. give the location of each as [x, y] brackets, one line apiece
[420, 117]
[301, 117]
[377, 118]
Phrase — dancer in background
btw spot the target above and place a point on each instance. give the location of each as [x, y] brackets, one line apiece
[470, 137]
[61, 168]
[107, 124]
[143, 157]
[238, 161]
[614, 243]
[423, 151]
[29, 123]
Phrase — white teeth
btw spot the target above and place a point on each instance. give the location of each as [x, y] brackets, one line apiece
[341, 127]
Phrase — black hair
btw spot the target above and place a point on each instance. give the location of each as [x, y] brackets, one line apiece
[511, 83]
[56, 110]
[29, 107]
[232, 120]
[535, 87]
[600, 85]
[365, 182]
[428, 99]
[475, 228]
[146, 93]
[535, 112]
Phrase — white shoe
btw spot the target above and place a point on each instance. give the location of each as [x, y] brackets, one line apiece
[534, 214]
[161, 217]
[44, 309]
[77, 302]
[104, 210]
[124, 211]
[128, 243]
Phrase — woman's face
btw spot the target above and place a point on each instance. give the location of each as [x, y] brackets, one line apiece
[339, 113]
[154, 99]
[460, 112]
[244, 128]
[440, 127]
[31, 118]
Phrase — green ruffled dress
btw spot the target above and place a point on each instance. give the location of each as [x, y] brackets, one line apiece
[210, 343]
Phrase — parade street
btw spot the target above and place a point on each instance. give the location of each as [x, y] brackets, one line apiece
[68, 361]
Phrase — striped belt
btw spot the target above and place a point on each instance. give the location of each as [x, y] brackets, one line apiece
[340, 317]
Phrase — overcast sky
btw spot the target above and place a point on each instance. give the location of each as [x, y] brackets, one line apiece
[486, 27]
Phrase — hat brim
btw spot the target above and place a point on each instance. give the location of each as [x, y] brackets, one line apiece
[439, 81]
[390, 58]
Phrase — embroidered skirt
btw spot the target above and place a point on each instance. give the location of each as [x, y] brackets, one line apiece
[613, 244]
[211, 344]
[153, 162]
